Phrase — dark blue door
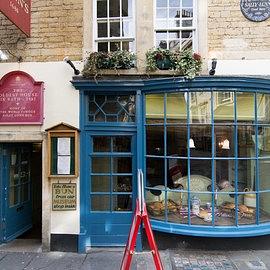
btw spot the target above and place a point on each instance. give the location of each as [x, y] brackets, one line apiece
[16, 190]
[109, 188]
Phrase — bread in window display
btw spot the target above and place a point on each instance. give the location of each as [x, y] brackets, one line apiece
[158, 208]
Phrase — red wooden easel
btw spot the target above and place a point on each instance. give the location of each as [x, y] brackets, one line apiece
[140, 216]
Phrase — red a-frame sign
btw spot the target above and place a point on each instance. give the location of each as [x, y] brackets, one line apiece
[140, 216]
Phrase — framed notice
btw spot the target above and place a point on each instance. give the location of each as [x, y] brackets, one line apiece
[62, 148]
[21, 99]
[64, 197]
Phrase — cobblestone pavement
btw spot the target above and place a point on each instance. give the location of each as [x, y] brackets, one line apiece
[202, 262]
[211, 260]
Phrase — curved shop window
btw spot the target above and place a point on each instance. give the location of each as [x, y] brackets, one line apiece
[207, 157]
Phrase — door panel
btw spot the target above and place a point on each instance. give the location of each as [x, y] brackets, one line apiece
[16, 180]
[110, 185]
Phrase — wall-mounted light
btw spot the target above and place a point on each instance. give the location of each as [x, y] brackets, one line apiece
[67, 60]
[212, 71]
[191, 143]
[224, 144]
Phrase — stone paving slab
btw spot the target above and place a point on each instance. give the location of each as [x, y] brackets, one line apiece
[16, 261]
[56, 261]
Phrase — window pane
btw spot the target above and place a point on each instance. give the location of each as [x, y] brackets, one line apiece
[246, 175]
[264, 141]
[102, 144]
[186, 44]
[155, 172]
[155, 108]
[127, 46]
[101, 164]
[122, 144]
[114, 8]
[102, 46]
[245, 107]
[187, 3]
[174, 13]
[264, 172]
[161, 44]
[186, 34]
[155, 140]
[200, 169]
[122, 202]
[224, 141]
[224, 175]
[161, 13]
[202, 141]
[187, 23]
[122, 183]
[114, 28]
[200, 107]
[264, 207]
[174, 45]
[101, 8]
[177, 141]
[100, 183]
[263, 108]
[126, 28]
[126, 7]
[177, 171]
[246, 141]
[100, 203]
[176, 212]
[176, 108]
[187, 13]
[223, 103]
[200, 213]
[114, 46]
[161, 3]
[174, 3]
[122, 165]
[13, 196]
[102, 29]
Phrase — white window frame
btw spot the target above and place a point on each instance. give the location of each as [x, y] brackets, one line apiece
[120, 39]
[194, 27]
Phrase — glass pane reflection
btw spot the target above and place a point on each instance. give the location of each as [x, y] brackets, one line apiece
[264, 207]
[200, 107]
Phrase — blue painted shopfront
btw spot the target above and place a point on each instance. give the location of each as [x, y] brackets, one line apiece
[205, 140]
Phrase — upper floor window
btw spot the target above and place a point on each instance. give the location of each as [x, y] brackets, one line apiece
[175, 24]
[114, 27]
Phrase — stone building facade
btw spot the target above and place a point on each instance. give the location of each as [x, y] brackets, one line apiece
[61, 28]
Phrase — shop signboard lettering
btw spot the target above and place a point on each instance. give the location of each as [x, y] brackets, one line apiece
[18, 12]
[255, 10]
[21, 99]
[64, 197]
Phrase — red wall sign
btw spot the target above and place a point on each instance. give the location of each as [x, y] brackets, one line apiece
[21, 99]
[19, 12]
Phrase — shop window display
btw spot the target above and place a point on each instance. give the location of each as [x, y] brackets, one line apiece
[207, 157]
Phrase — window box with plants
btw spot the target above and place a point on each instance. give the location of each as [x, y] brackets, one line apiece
[184, 62]
[115, 60]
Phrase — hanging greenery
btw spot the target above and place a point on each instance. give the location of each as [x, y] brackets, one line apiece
[108, 60]
[185, 62]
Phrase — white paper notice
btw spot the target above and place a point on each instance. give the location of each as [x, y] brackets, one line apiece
[63, 146]
[63, 165]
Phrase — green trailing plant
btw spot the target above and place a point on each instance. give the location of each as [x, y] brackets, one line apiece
[185, 62]
[108, 60]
